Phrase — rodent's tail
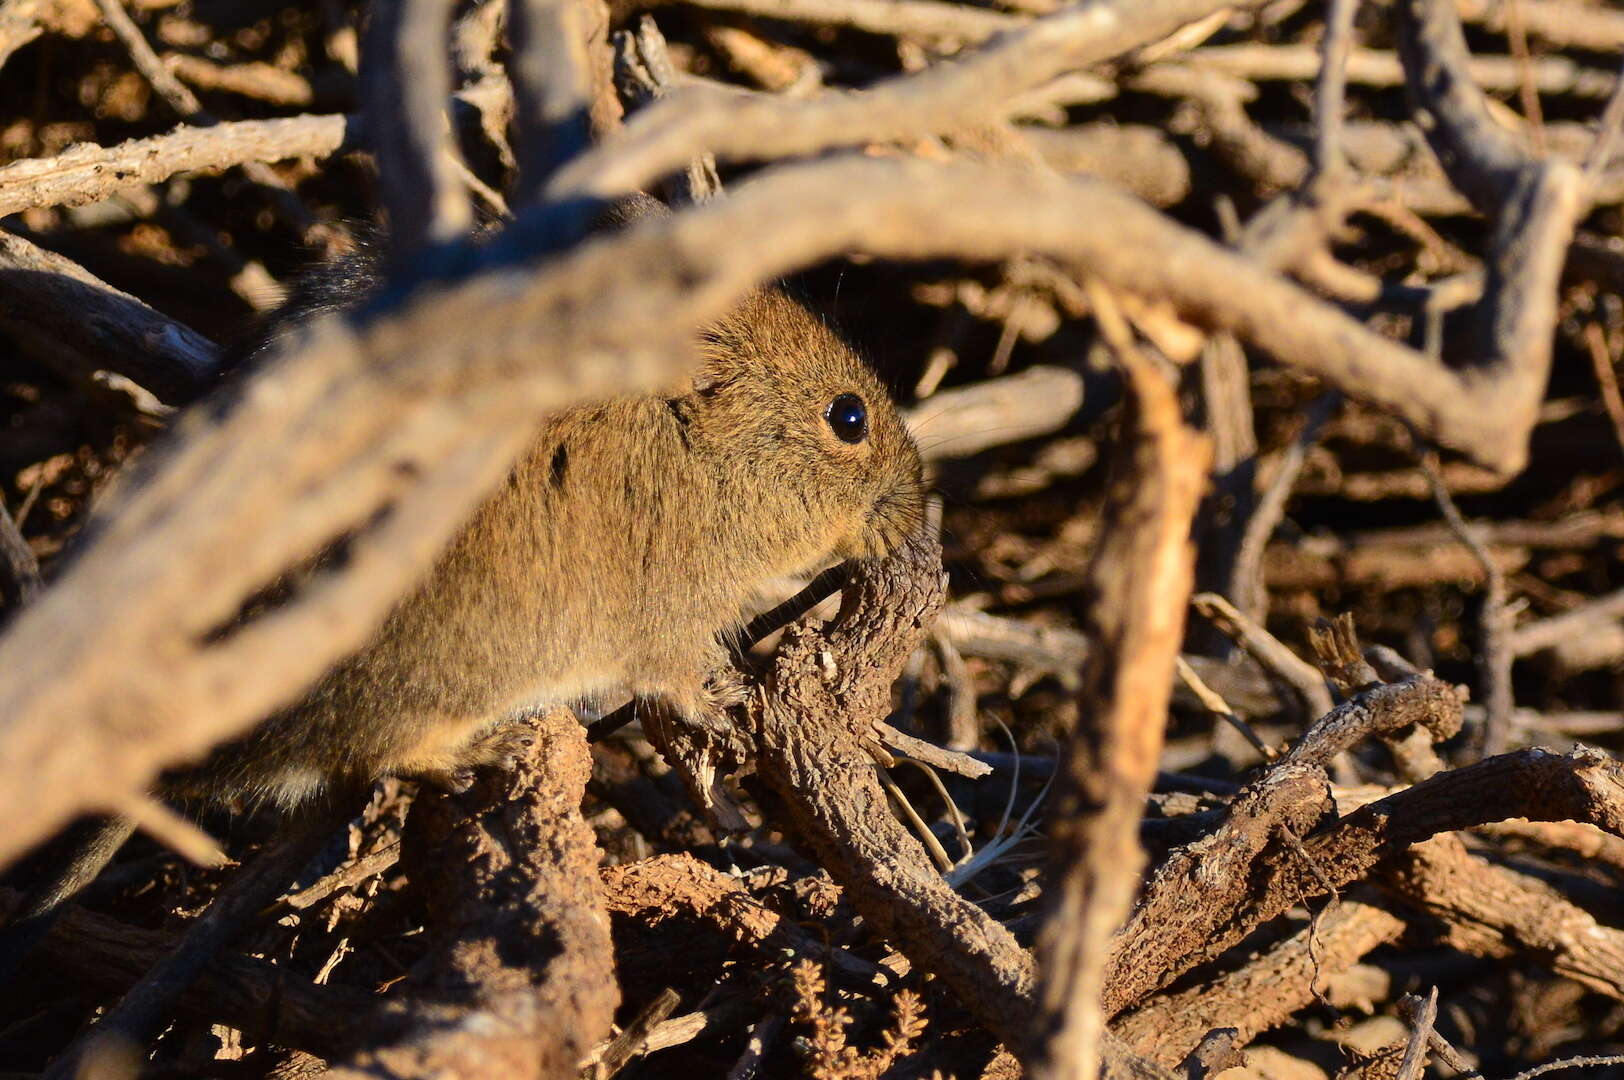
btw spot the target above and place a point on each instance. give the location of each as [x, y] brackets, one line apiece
[38, 912]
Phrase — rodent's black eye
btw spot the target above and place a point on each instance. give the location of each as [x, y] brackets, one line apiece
[848, 418]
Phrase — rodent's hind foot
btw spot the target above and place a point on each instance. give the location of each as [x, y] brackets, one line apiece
[502, 747]
[499, 748]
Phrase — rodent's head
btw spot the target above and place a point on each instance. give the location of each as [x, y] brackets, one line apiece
[806, 431]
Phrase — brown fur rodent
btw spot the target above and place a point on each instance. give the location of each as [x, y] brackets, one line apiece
[624, 544]
[623, 547]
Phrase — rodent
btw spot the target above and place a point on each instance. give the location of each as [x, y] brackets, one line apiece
[618, 554]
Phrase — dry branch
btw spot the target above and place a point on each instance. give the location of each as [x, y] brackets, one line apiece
[250, 994]
[85, 329]
[518, 982]
[84, 174]
[1139, 589]
[1264, 992]
[406, 80]
[179, 553]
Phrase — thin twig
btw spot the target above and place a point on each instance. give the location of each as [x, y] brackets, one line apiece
[1422, 1013]
[1493, 622]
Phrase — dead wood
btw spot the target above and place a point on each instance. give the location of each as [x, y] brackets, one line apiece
[519, 981]
[250, 994]
[1139, 586]
[85, 174]
[979, 163]
[1264, 992]
[97, 335]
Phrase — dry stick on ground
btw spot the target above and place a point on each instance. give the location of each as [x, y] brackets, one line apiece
[518, 981]
[84, 174]
[1552, 632]
[1369, 67]
[1273, 656]
[1268, 879]
[147, 1005]
[176, 554]
[1139, 586]
[255, 996]
[1171, 929]
[825, 691]
[90, 332]
[1494, 911]
[1266, 991]
[1246, 585]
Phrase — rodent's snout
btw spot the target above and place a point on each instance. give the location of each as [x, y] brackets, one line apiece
[899, 509]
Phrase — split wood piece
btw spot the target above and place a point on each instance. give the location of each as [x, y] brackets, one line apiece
[261, 999]
[85, 174]
[519, 980]
[405, 409]
[93, 334]
[1261, 876]
[147, 1006]
[1493, 911]
[1139, 582]
[1266, 991]
[826, 687]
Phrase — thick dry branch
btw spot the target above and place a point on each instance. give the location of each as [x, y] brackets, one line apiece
[518, 982]
[410, 411]
[1210, 895]
[944, 97]
[1201, 884]
[85, 328]
[1494, 911]
[825, 688]
[84, 174]
[1139, 585]
[1387, 711]
[1263, 993]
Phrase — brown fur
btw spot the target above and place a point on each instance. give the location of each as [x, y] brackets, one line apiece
[625, 543]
